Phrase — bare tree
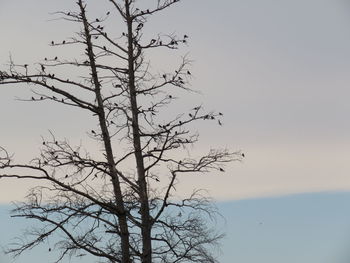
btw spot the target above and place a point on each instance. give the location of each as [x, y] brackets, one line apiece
[99, 205]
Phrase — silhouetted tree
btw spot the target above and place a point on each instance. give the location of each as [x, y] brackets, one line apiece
[101, 206]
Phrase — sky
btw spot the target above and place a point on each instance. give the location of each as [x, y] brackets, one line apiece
[278, 70]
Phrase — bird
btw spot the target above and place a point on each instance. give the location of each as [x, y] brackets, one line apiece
[41, 98]
[139, 26]
[164, 76]
[56, 58]
[25, 65]
[49, 249]
[45, 58]
[185, 36]
[64, 41]
[44, 143]
[104, 47]
[220, 114]
[108, 13]
[221, 170]
[33, 98]
[93, 132]
[170, 96]
[219, 122]
[97, 20]
[188, 72]
[66, 176]
[42, 67]
[243, 155]
[52, 42]
[190, 115]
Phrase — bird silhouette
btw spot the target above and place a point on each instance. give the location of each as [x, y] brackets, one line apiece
[56, 58]
[93, 132]
[188, 72]
[52, 43]
[219, 122]
[222, 170]
[139, 26]
[64, 42]
[42, 67]
[243, 155]
[108, 13]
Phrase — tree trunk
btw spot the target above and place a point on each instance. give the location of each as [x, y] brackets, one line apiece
[145, 214]
[121, 214]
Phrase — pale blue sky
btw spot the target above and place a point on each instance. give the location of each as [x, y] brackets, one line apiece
[305, 228]
[279, 70]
